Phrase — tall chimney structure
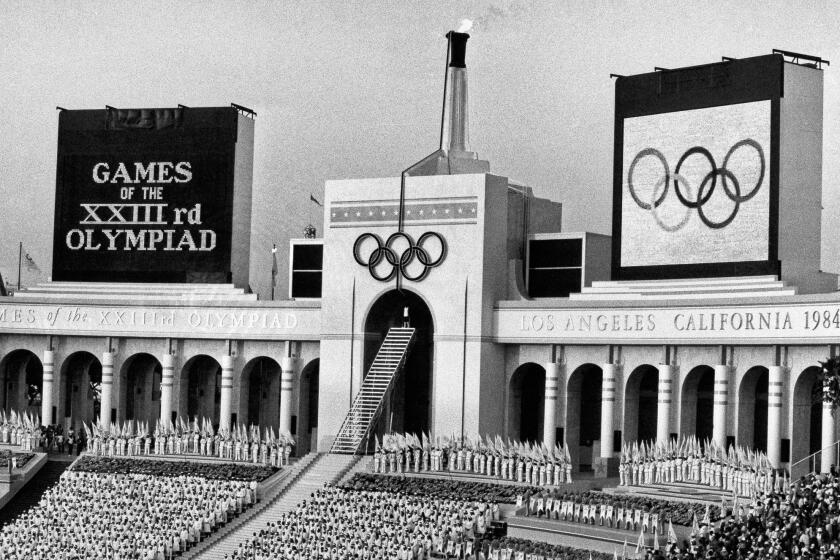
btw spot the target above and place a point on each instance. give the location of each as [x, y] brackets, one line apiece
[454, 155]
[457, 140]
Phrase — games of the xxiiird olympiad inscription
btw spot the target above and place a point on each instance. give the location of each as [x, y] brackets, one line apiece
[497, 280]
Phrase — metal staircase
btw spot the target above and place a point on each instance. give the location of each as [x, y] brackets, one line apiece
[367, 406]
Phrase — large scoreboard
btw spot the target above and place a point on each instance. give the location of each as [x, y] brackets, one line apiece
[696, 173]
[153, 195]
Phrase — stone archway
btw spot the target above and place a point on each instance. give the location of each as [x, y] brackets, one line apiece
[583, 414]
[526, 403]
[807, 415]
[140, 378]
[641, 395]
[22, 377]
[201, 380]
[81, 390]
[307, 424]
[697, 403]
[259, 393]
[409, 407]
[752, 409]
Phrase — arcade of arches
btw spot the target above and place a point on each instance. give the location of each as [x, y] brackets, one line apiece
[591, 408]
[282, 395]
[585, 407]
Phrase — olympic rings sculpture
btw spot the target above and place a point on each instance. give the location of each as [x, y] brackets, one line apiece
[399, 263]
[729, 182]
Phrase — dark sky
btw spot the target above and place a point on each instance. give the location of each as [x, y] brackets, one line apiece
[353, 89]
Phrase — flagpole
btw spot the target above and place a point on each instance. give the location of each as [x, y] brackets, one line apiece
[273, 268]
[20, 258]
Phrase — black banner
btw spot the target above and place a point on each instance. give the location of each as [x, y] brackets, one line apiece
[147, 204]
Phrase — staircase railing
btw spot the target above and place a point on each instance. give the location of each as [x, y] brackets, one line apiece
[812, 459]
[362, 416]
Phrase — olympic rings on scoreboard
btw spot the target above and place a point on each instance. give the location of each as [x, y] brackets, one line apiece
[729, 182]
[399, 263]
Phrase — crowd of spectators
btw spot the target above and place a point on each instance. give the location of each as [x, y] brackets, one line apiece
[130, 510]
[803, 522]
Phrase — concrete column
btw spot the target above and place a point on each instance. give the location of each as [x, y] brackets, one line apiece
[828, 456]
[48, 380]
[107, 396]
[287, 384]
[663, 410]
[552, 381]
[720, 400]
[226, 393]
[775, 390]
[166, 379]
[608, 409]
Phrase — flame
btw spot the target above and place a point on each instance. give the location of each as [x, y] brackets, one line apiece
[466, 25]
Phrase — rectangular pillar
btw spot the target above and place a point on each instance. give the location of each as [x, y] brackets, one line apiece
[552, 380]
[106, 397]
[608, 410]
[720, 400]
[828, 456]
[287, 384]
[606, 464]
[775, 390]
[663, 408]
[226, 390]
[166, 378]
[48, 380]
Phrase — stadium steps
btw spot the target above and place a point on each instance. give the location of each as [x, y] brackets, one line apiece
[128, 291]
[579, 484]
[362, 465]
[694, 289]
[677, 492]
[367, 405]
[325, 469]
[266, 495]
[32, 491]
[580, 535]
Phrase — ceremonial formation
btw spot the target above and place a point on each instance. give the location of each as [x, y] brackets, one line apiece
[437, 488]
[104, 508]
[239, 444]
[23, 429]
[526, 463]
[349, 523]
[635, 513]
[741, 471]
